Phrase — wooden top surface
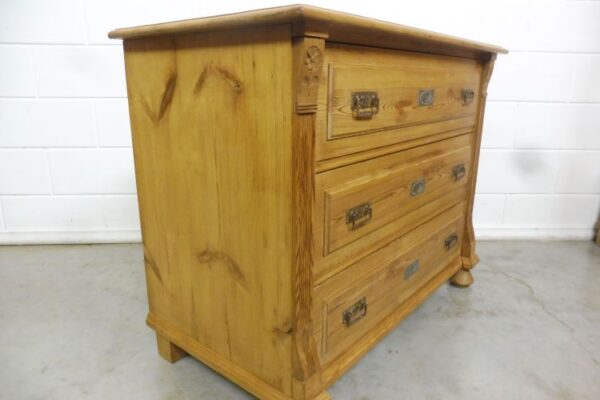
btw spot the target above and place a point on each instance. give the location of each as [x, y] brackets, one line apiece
[336, 26]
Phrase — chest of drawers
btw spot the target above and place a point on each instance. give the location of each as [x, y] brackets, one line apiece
[305, 180]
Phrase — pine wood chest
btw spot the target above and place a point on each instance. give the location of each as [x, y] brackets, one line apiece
[305, 180]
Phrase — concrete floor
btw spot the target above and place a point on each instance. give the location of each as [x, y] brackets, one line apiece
[72, 327]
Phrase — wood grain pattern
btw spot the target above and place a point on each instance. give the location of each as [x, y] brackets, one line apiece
[380, 279]
[247, 161]
[219, 258]
[397, 77]
[346, 360]
[385, 183]
[332, 163]
[326, 267]
[307, 383]
[308, 63]
[168, 350]
[397, 87]
[469, 255]
[216, 361]
[341, 27]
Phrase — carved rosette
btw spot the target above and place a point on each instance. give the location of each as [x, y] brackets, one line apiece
[310, 60]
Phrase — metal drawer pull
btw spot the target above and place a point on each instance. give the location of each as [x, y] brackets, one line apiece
[364, 104]
[467, 96]
[417, 187]
[411, 269]
[458, 172]
[426, 97]
[355, 312]
[359, 215]
[451, 241]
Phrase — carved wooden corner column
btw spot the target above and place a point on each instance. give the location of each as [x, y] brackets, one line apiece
[307, 64]
[463, 278]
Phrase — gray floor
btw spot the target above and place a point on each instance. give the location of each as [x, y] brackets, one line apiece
[72, 327]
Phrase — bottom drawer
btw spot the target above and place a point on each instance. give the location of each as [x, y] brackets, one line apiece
[352, 302]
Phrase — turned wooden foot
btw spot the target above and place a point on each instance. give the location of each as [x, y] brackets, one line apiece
[168, 350]
[463, 278]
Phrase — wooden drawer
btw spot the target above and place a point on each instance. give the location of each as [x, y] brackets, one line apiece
[350, 304]
[417, 95]
[361, 198]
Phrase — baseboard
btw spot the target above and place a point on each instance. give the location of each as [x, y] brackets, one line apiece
[70, 237]
[533, 234]
[134, 236]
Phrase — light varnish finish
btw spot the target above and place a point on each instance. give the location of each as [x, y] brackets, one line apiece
[380, 279]
[397, 78]
[310, 21]
[248, 159]
[385, 183]
[214, 190]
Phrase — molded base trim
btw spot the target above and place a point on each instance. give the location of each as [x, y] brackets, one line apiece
[215, 361]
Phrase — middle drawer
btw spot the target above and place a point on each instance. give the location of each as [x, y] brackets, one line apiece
[357, 201]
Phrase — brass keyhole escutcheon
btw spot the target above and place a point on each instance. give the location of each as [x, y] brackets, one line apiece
[426, 97]
[412, 268]
[451, 241]
[458, 172]
[417, 187]
[467, 96]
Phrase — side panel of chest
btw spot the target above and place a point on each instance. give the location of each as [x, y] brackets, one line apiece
[214, 182]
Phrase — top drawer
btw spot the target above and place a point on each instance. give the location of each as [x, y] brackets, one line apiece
[377, 97]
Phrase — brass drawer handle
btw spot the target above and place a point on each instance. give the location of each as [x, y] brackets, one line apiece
[364, 104]
[467, 96]
[426, 97]
[355, 312]
[451, 241]
[412, 268]
[458, 172]
[359, 215]
[417, 187]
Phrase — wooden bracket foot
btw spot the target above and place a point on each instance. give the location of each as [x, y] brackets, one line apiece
[168, 350]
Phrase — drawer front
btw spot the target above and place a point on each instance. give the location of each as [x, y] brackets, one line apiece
[371, 194]
[367, 99]
[351, 303]
[361, 198]
[376, 97]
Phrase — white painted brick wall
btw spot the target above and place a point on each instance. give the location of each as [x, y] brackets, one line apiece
[66, 169]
